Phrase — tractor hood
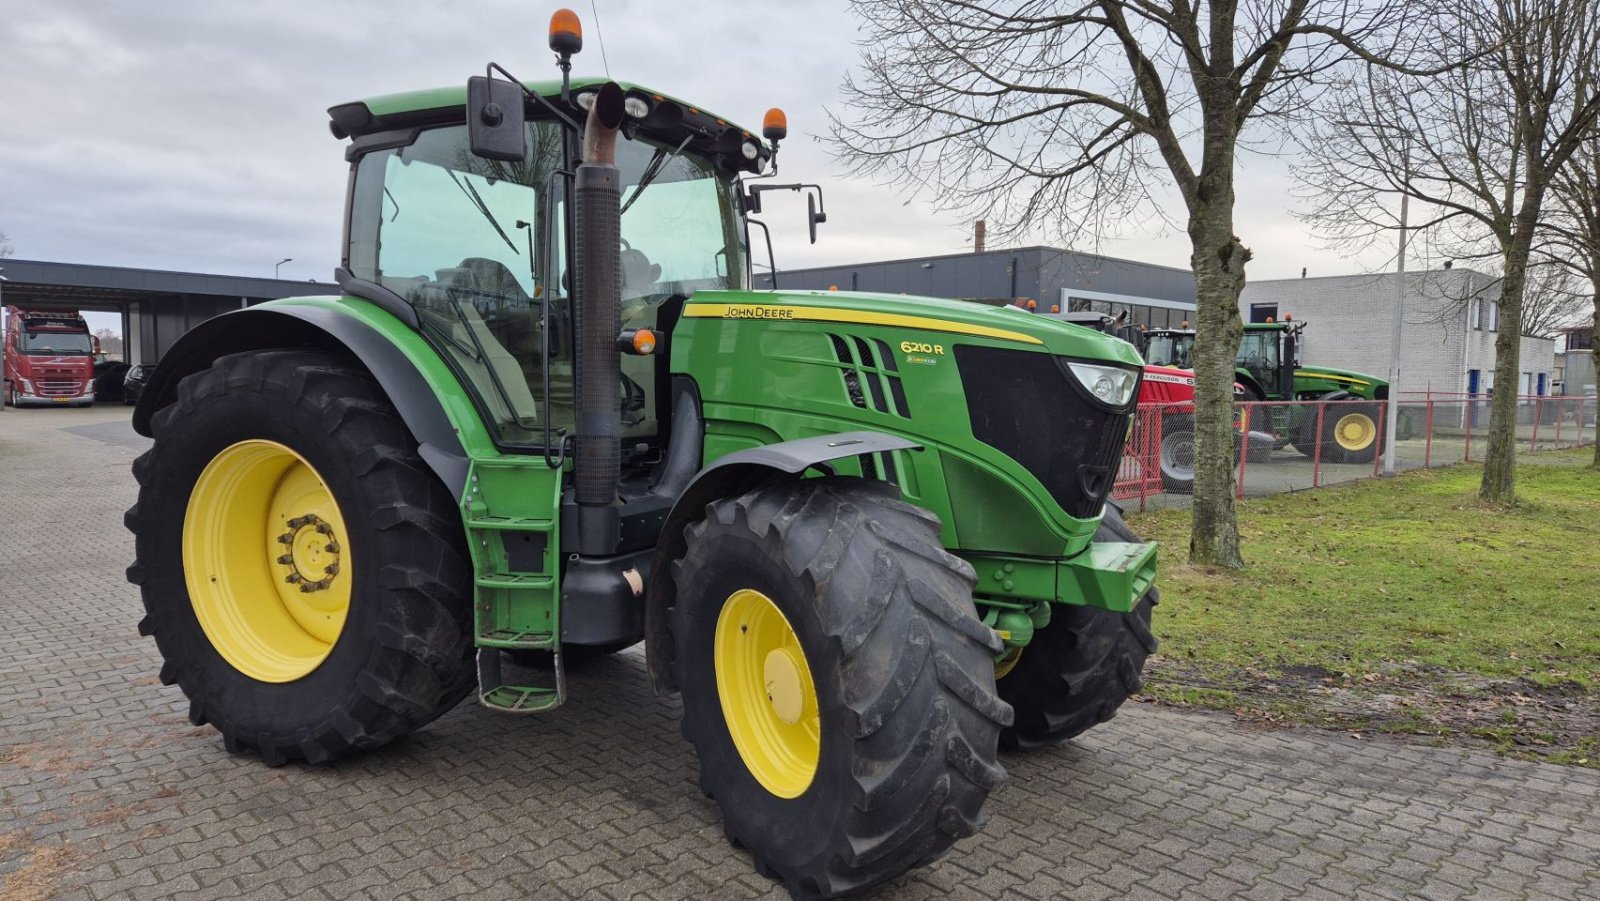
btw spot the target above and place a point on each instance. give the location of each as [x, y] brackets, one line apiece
[1355, 382]
[923, 321]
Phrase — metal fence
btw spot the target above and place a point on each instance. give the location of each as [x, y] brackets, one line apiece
[1292, 446]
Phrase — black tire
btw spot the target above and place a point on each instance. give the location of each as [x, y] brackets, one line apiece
[904, 675]
[1079, 669]
[404, 655]
[1332, 450]
[1176, 453]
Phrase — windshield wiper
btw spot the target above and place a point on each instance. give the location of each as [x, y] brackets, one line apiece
[477, 201]
[657, 163]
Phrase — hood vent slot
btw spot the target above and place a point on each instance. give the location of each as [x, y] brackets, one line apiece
[871, 376]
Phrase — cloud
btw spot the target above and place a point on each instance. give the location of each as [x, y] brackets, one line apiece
[192, 135]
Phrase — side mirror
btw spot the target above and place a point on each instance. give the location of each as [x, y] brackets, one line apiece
[495, 119]
[813, 217]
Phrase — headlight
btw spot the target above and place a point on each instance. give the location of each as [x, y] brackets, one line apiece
[1113, 386]
[636, 107]
[751, 151]
[585, 99]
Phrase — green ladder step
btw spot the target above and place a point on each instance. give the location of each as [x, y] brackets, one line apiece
[516, 523]
[516, 580]
[526, 641]
[494, 694]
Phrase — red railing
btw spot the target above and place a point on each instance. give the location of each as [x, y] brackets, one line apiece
[1290, 446]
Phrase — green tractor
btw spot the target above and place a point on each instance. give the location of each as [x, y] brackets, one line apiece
[865, 537]
[1268, 368]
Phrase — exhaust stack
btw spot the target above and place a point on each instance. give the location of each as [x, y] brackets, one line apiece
[597, 301]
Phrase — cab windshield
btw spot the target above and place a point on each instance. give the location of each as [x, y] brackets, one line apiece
[1170, 350]
[1258, 354]
[70, 344]
[478, 247]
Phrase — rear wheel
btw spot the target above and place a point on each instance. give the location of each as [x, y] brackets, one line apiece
[1177, 453]
[1078, 670]
[837, 685]
[1350, 433]
[302, 570]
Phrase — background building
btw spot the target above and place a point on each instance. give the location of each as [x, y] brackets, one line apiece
[1450, 328]
[1154, 295]
[1575, 360]
[156, 307]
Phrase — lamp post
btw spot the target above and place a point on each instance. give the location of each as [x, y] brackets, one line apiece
[279, 264]
[1392, 406]
[1391, 424]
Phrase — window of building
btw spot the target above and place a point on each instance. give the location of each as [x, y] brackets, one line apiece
[1263, 312]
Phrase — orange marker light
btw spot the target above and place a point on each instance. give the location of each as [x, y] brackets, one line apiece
[1033, 305]
[1055, 308]
[833, 287]
[775, 125]
[566, 32]
[1288, 317]
[1270, 320]
[644, 342]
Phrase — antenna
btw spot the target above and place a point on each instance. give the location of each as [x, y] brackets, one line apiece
[601, 35]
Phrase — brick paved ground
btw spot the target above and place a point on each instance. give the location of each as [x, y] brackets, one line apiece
[109, 793]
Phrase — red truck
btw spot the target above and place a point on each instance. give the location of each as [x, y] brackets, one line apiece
[49, 358]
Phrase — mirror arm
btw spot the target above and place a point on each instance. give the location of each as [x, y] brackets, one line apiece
[565, 119]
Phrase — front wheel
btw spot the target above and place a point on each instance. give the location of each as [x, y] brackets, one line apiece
[837, 684]
[1082, 667]
[303, 572]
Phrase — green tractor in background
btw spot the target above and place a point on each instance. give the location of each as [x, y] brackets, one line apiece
[865, 537]
[1268, 367]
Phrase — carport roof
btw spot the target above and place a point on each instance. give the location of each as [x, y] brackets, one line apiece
[80, 284]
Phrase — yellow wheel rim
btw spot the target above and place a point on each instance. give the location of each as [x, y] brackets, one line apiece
[768, 698]
[1007, 663]
[1355, 431]
[266, 561]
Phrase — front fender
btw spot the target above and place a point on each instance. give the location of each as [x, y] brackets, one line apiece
[730, 476]
[325, 324]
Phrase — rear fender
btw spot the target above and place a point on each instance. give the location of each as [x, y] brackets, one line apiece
[730, 476]
[321, 327]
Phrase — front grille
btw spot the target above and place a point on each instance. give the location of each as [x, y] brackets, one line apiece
[59, 389]
[1029, 407]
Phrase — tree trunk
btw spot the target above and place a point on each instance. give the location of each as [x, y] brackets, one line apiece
[1218, 260]
[1499, 463]
[1595, 354]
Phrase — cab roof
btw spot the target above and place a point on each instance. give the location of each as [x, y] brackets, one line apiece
[444, 104]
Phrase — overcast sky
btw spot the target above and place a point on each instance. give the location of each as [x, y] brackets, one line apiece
[193, 135]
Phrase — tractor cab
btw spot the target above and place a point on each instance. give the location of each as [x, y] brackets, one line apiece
[1172, 347]
[481, 249]
[1269, 355]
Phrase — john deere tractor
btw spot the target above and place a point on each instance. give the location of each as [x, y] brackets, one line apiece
[1268, 367]
[865, 537]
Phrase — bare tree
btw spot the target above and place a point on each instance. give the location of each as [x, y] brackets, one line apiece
[5, 246]
[1576, 227]
[1554, 298]
[1065, 117]
[1479, 144]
